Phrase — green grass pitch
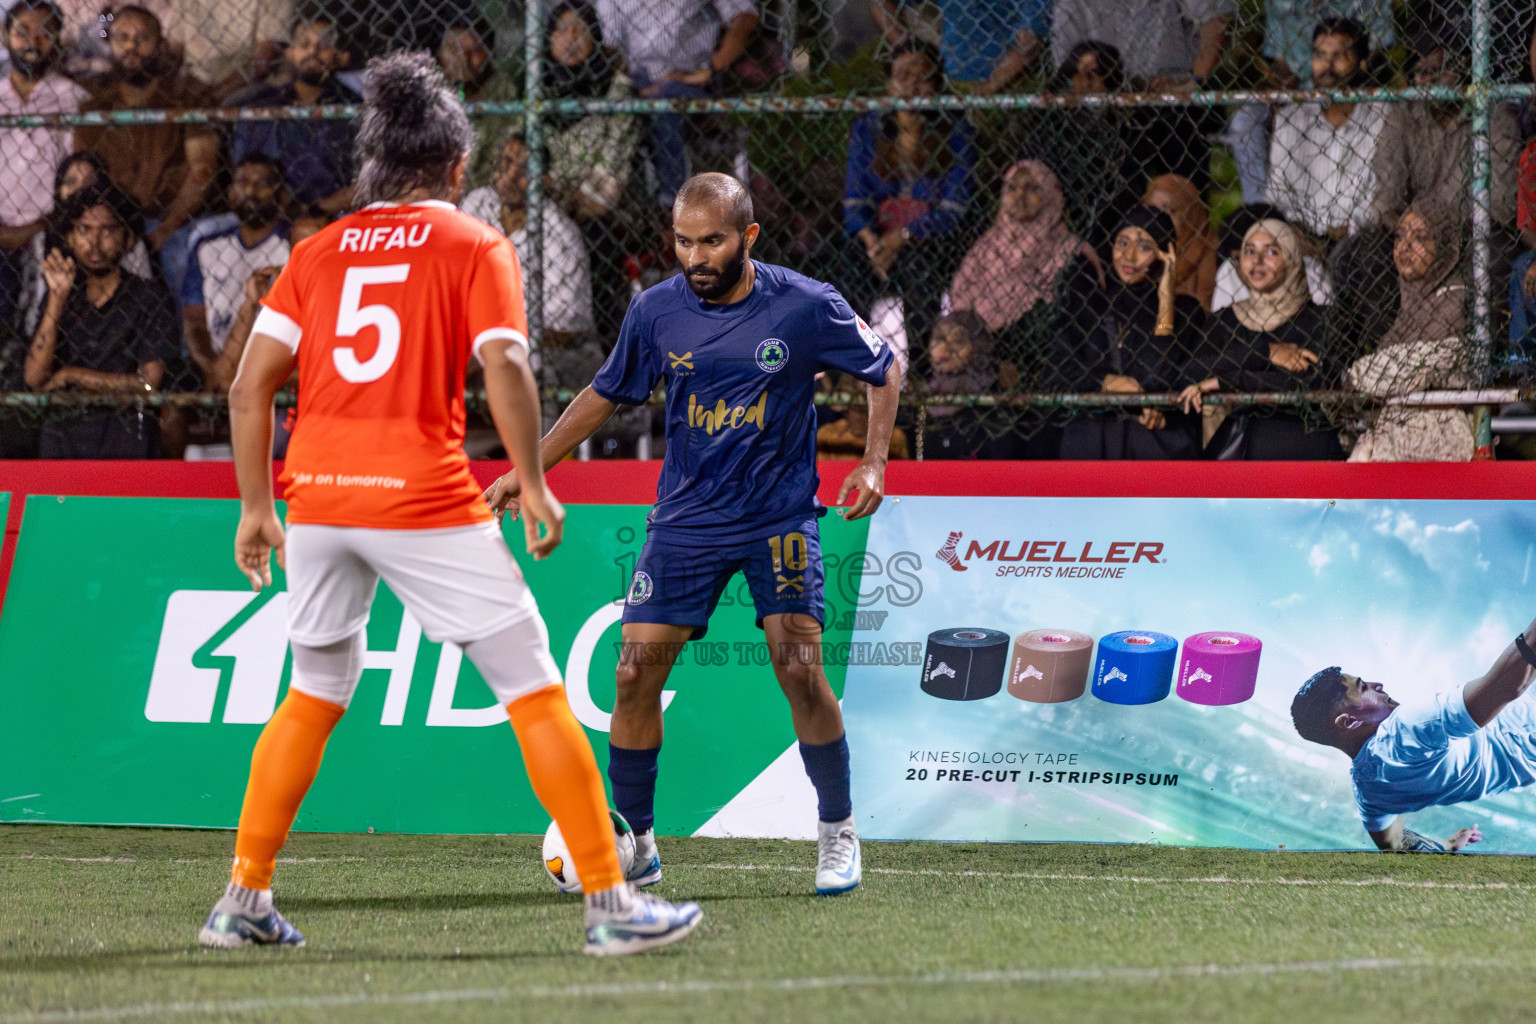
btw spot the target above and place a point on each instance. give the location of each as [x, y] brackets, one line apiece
[101, 925]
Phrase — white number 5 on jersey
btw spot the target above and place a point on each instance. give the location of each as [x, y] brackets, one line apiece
[353, 317]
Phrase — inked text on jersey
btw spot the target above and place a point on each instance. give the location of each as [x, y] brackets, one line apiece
[369, 239]
[723, 417]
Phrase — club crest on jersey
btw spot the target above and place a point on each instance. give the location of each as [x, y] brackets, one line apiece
[772, 354]
[640, 589]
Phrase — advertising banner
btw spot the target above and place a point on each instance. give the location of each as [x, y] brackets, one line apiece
[1046, 669]
[1123, 670]
[137, 667]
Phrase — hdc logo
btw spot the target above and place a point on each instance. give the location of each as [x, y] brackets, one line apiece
[235, 643]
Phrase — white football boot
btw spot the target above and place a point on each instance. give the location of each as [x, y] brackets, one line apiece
[839, 868]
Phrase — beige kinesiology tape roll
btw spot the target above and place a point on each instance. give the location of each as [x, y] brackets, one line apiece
[1050, 666]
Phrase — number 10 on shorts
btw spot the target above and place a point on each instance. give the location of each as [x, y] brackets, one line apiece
[789, 552]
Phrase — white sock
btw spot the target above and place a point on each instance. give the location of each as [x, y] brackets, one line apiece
[251, 902]
[832, 828]
[613, 902]
[645, 846]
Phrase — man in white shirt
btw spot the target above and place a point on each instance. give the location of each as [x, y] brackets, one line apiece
[503, 205]
[1320, 156]
[223, 260]
[32, 155]
[674, 49]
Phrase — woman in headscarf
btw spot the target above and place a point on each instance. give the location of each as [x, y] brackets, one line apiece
[1180, 199]
[1136, 335]
[590, 157]
[1013, 274]
[1425, 348]
[1229, 280]
[1269, 341]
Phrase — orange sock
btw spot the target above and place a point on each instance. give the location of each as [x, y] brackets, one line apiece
[566, 781]
[283, 767]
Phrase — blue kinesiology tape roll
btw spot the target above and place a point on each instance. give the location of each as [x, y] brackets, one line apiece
[1135, 666]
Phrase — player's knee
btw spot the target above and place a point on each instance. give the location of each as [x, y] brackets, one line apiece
[637, 688]
[627, 677]
[329, 672]
[801, 681]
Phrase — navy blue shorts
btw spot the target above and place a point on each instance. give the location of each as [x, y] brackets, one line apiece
[680, 584]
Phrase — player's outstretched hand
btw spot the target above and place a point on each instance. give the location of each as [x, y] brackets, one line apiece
[501, 496]
[542, 508]
[869, 480]
[1462, 839]
[257, 536]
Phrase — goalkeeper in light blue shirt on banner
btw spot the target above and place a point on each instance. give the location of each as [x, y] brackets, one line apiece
[1461, 745]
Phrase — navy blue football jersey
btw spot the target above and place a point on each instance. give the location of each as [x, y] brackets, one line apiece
[740, 379]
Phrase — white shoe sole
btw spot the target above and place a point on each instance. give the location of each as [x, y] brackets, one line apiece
[641, 943]
[213, 939]
[222, 940]
[820, 891]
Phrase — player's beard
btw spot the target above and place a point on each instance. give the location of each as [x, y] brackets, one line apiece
[713, 284]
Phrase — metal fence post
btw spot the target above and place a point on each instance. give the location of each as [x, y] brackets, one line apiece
[1481, 172]
[533, 135]
[1482, 431]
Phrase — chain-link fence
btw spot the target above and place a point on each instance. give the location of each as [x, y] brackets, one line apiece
[1093, 228]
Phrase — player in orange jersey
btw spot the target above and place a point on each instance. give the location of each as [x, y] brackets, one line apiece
[381, 312]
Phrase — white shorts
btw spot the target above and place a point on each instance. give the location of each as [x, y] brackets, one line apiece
[461, 583]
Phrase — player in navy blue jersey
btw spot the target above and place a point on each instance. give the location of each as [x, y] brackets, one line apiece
[738, 344]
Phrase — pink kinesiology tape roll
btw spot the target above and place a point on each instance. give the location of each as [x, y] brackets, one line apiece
[1219, 668]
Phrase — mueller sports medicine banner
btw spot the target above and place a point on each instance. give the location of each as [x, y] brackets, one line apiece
[1122, 670]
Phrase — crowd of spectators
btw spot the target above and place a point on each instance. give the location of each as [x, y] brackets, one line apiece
[1086, 247]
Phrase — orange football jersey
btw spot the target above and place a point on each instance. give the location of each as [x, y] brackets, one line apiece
[384, 309]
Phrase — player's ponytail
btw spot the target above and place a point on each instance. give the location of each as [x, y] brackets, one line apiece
[413, 130]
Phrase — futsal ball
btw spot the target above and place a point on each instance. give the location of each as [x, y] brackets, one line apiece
[557, 859]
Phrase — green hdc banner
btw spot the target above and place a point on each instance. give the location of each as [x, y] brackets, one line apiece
[137, 668]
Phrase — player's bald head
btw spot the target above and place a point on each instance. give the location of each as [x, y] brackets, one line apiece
[719, 192]
[413, 132]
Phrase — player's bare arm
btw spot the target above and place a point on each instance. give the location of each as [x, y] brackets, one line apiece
[514, 400]
[264, 368]
[868, 477]
[581, 419]
[1509, 677]
[1399, 838]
